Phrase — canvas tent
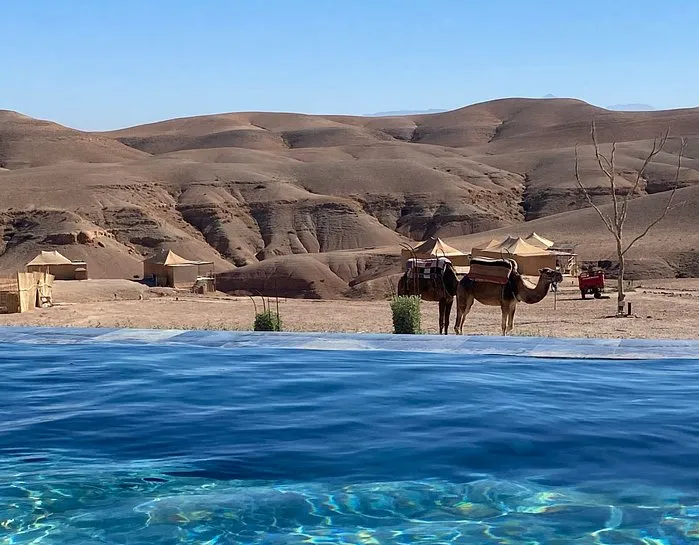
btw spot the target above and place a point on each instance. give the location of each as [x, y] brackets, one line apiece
[492, 244]
[540, 242]
[168, 269]
[436, 247]
[529, 258]
[58, 265]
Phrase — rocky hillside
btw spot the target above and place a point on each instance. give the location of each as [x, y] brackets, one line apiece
[248, 189]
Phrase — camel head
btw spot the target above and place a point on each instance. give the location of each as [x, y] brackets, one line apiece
[551, 276]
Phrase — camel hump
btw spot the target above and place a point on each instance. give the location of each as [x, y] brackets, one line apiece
[497, 271]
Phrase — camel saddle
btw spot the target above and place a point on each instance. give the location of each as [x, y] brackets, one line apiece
[497, 271]
[427, 268]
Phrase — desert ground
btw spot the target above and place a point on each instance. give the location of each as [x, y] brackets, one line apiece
[660, 309]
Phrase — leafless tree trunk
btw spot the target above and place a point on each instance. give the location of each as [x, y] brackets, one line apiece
[615, 222]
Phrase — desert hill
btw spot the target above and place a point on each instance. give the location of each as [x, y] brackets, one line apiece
[262, 193]
[28, 142]
[671, 249]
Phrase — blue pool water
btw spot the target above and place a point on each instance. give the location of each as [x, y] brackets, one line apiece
[155, 443]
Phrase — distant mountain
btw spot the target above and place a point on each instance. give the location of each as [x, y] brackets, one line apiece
[631, 107]
[621, 107]
[408, 112]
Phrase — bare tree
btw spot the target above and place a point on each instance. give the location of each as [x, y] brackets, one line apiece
[620, 202]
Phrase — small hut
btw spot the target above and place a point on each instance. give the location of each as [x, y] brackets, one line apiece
[168, 269]
[9, 295]
[58, 265]
[25, 291]
[436, 247]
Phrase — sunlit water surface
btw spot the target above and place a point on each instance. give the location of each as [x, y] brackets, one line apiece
[155, 445]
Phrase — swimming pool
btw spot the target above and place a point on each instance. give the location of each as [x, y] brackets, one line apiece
[154, 437]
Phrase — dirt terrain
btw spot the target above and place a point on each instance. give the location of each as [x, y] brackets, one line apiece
[660, 308]
[322, 203]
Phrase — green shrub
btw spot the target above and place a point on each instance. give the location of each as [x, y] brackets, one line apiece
[267, 321]
[406, 314]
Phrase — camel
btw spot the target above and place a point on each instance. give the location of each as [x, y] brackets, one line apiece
[506, 296]
[441, 289]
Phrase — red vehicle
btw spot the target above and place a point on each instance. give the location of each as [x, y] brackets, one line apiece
[591, 282]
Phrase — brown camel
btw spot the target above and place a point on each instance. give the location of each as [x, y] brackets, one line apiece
[441, 289]
[505, 296]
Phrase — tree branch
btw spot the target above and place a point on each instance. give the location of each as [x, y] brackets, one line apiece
[608, 171]
[606, 219]
[658, 145]
[668, 206]
[600, 157]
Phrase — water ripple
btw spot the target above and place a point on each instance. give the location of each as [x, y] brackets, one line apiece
[153, 444]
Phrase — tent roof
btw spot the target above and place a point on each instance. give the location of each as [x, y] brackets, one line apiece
[436, 247]
[537, 240]
[516, 246]
[168, 257]
[494, 243]
[50, 258]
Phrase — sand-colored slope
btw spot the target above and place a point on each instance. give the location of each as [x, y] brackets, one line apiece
[671, 247]
[27, 142]
[550, 175]
[331, 275]
[505, 125]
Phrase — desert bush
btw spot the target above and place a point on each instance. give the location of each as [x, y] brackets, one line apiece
[406, 314]
[267, 321]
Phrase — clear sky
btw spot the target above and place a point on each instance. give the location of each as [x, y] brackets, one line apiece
[104, 64]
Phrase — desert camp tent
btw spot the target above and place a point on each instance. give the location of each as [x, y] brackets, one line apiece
[540, 242]
[436, 247]
[492, 244]
[566, 259]
[58, 265]
[166, 268]
[529, 258]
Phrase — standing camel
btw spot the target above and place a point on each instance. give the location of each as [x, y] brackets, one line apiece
[506, 296]
[441, 288]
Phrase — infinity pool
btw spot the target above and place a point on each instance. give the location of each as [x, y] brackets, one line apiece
[127, 437]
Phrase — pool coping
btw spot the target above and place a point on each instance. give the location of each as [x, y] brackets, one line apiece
[535, 347]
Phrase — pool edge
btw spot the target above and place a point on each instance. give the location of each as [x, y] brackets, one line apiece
[532, 347]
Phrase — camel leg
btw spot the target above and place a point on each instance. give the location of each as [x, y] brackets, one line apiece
[511, 317]
[461, 311]
[458, 315]
[505, 314]
[442, 305]
[447, 313]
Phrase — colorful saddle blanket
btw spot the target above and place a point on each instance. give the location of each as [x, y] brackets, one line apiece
[427, 268]
[498, 271]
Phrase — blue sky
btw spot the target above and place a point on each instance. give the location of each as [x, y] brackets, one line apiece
[104, 64]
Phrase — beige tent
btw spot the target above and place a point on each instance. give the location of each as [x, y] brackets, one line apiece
[166, 268]
[540, 242]
[492, 244]
[58, 265]
[529, 258]
[436, 247]
[566, 258]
